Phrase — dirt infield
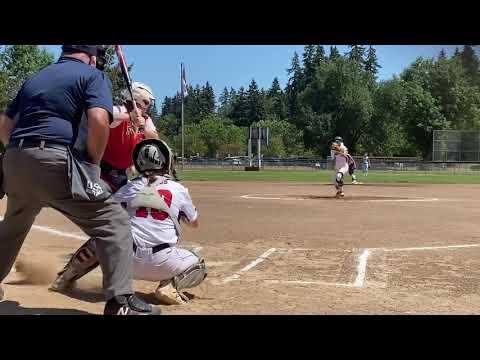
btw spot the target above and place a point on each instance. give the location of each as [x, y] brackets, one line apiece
[290, 248]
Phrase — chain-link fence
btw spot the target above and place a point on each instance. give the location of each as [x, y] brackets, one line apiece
[376, 164]
[456, 145]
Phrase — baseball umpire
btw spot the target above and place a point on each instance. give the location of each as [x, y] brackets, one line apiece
[116, 161]
[56, 131]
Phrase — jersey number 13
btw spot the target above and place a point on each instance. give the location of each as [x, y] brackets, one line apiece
[155, 213]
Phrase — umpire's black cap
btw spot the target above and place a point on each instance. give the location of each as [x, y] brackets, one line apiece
[89, 49]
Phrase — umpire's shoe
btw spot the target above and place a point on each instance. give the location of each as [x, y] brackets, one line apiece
[129, 305]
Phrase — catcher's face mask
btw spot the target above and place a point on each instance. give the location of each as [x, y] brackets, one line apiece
[152, 155]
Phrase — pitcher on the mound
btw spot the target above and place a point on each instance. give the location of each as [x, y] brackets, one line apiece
[339, 153]
[155, 204]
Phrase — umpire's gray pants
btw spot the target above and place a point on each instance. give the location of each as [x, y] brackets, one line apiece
[35, 178]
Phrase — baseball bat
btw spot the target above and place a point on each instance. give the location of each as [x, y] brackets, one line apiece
[126, 76]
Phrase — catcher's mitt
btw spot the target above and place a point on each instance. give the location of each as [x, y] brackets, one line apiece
[335, 147]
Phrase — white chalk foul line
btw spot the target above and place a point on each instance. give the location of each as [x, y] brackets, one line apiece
[404, 200]
[302, 282]
[361, 268]
[78, 236]
[427, 248]
[57, 232]
[311, 249]
[254, 263]
[272, 197]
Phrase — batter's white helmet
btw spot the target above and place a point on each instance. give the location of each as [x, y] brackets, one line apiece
[140, 92]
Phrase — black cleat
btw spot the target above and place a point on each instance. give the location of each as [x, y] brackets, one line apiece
[129, 305]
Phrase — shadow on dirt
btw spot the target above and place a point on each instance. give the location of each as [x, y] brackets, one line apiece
[8, 307]
[151, 299]
[88, 295]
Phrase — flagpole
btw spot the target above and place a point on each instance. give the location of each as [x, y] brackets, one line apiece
[183, 140]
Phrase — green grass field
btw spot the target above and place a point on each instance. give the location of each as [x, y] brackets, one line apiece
[326, 176]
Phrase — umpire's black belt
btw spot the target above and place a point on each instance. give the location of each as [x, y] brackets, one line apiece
[155, 249]
[41, 144]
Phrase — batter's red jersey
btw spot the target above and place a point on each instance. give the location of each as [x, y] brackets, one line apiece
[118, 153]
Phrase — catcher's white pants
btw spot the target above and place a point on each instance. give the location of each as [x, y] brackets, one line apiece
[162, 265]
[344, 171]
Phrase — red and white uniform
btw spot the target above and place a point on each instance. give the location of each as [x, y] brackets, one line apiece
[119, 150]
[341, 163]
[151, 227]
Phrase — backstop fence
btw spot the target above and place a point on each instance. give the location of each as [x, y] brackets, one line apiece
[456, 146]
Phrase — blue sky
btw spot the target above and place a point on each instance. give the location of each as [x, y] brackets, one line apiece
[236, 65]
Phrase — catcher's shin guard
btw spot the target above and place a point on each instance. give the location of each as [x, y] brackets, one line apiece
[81, 263]
[170, 291]
[191, 277]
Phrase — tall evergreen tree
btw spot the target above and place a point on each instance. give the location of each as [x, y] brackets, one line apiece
[371, 61]
[240, 108]
[166, 106]
[275, 89]
[232, 93]
[308, 64]
[471, 64]
[224, 98]
[224, 103]
[295, 71]
[319, 57]
[275, 93]
[357, 53]
[334, 53]
[207, 100]
[442, 55]
[256, 104]
[293, 88]
[193, 107]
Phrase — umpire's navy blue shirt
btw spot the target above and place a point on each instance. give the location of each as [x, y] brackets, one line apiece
[50, 104]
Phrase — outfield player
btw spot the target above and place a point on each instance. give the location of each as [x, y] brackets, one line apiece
[366, 164]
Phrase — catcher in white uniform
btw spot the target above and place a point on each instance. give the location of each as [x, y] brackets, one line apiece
[155, 205]
[339, 152]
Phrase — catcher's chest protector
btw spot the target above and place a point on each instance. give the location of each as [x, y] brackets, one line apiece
[149, 197]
